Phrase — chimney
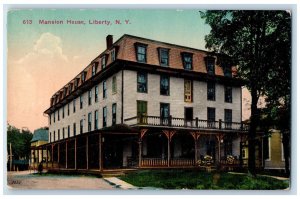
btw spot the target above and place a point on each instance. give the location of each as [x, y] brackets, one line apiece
[109, 41]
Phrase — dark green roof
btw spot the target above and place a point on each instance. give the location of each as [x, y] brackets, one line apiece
[40, 135]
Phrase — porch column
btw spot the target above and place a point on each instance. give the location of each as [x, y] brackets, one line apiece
[47, 157]
[169, 135]
[196, 136]
[143, 132]
[100, 152]
[58, 155]
[75, 149]
[169, 151]
[219, 138]
[66, 154]
[38, 156]
[140, 152]
[52, 155]
[87, 151]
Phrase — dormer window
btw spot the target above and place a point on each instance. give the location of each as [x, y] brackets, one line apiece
[210, 65]
[163, 56]
[113, 55]
[83, 76]
[70, 88]
[65, 92]
[227, 71]
[76, 83]
[103, 62]
[187, 61]
[141, 52]
[94, 68]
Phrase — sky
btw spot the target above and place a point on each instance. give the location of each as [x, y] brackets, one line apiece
[42, 58]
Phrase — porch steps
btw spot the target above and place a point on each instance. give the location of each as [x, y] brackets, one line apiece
[116, 172]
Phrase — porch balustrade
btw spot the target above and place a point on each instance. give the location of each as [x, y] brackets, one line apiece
[157, 162]
[183, 123]
[154, 162]
[182, 162]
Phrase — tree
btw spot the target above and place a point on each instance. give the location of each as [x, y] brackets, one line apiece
[253, 40]
[20, 141]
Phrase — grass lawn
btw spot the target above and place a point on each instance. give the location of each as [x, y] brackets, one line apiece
[192, 179]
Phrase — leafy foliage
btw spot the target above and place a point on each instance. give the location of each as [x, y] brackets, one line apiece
[192, 179]
[259, 42]
[20, 142]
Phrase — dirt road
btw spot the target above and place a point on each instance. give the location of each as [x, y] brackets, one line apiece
[27, 180]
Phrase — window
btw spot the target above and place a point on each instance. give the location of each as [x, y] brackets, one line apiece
[163, 56]
[96, 120]
[164, 113]
[58, 118]
[188, 116]
[228, 94]
[211, 91]
[50, 118]
[83, 76]
[74, 105]
[70, 88]
[58, 133]
[54, 136]
[164, 85]
[68, 131]
[141, 52]
[188, 89]
[227, 71]
[142, 111]
[114, 114]
[104, 89]
[50, 137]
[228, 118]
[211, 117]
[142, 82]
[187, 60]
[104, 116]
[89, 122]
[94, 68]
[76, 83]
[63, 132]
[96, 93]
[81, 126]
[81, 101]
[74, 129]
[68, 109]
[227, 146]
[63, 112]
[113, 55]
[210, 66]
[103, 62]
[65, 92]
[114, 85]
[90, 97]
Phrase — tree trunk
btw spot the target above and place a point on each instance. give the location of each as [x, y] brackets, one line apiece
[286, 151]
[252, 132]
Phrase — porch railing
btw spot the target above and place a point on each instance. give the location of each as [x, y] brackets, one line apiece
[182, 122]
[154, 162]
[182, 162]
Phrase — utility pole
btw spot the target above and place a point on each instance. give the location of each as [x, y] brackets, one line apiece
[10, 157]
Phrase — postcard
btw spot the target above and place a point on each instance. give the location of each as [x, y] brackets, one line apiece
[148, 99]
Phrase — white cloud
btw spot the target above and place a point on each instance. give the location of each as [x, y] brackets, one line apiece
[34, 78]
[48, 45]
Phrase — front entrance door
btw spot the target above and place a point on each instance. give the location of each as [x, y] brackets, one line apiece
[164, 113]
[113, 152]
[142, 111]
[188, 116]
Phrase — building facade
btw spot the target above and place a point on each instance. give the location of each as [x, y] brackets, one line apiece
[143, 103]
